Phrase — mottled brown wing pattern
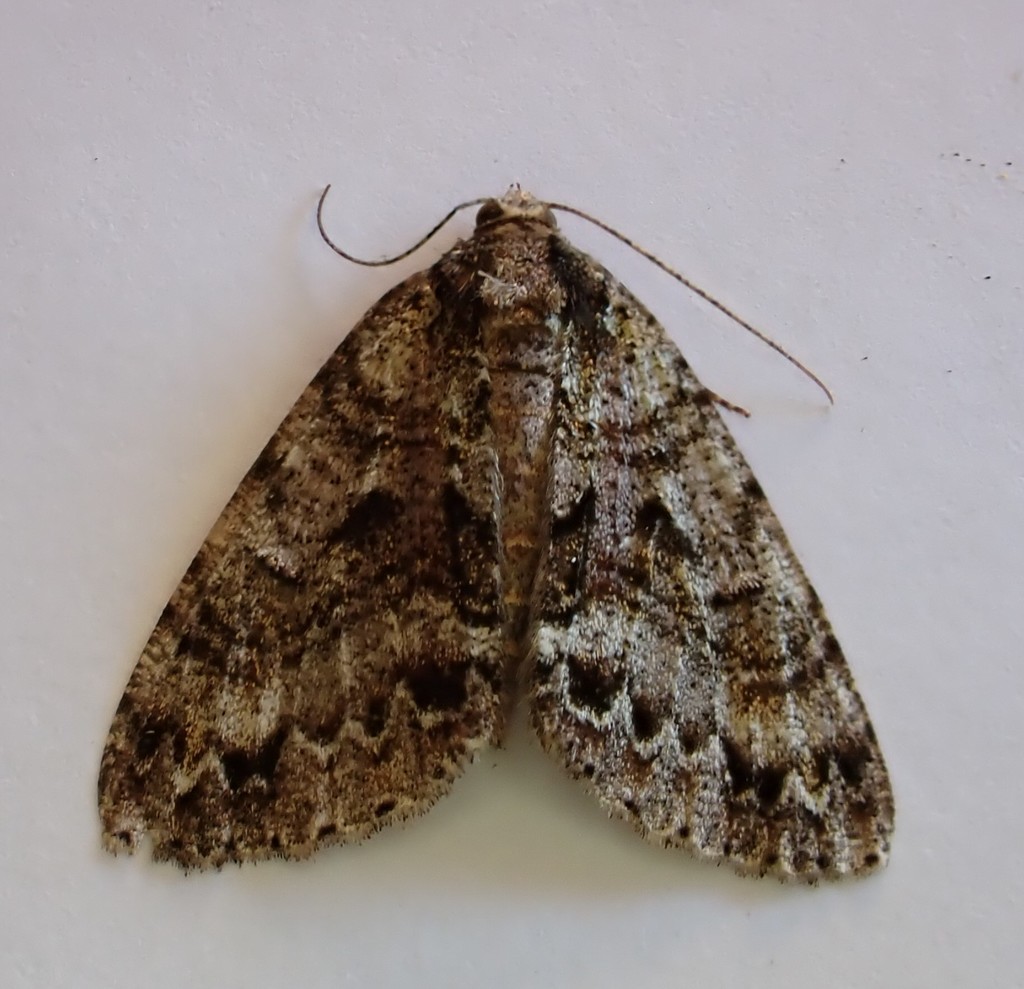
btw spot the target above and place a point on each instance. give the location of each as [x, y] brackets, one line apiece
[507, 461]
[335, 652]
[681, 663]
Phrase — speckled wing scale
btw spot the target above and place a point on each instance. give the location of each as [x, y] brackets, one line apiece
[506, 476]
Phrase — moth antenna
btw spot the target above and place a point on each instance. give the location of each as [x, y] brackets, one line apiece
[683, 280]
[398, 257]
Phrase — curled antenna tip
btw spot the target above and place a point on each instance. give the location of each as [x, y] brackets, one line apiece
[384, 261]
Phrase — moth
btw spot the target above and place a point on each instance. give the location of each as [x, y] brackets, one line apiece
[505, 481]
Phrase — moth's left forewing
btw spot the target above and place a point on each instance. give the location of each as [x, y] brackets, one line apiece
[680, 661]
[333, 657]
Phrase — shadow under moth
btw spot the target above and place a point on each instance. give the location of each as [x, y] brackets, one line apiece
[505, 481]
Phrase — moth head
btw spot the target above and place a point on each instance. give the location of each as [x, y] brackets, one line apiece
[516, 204]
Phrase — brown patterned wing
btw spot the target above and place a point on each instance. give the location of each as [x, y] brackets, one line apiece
[681, 663]
[270, 711]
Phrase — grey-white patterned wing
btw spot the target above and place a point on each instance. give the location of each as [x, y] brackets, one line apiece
[681, 663]
[335, 653]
